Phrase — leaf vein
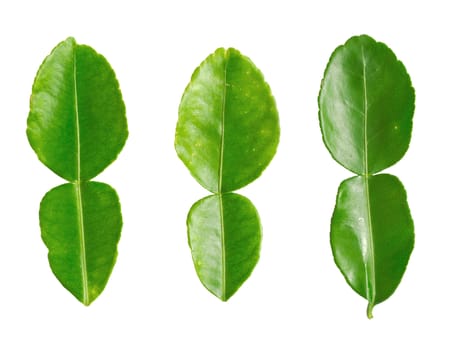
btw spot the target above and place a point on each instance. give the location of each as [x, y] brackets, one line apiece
[79, 204]
[220, 175]
[370, 258]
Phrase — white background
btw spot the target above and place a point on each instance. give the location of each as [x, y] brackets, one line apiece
[296, 298]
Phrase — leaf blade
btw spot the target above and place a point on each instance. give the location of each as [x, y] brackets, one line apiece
[366, 105]
[224, 235]
[81, 256]
[228, 128]
[76, 106]
[372, 235]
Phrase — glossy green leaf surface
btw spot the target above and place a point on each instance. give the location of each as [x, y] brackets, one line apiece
[366, 104]
[228, 127]
[372, 235]
[77, 127]
[76, 124]
[224, 233]
[81, 225]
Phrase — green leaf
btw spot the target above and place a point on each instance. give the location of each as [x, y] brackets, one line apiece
[228, 127]
[224, 233]
[77, 127]
[372, 235]
[76, 124]
[81, 225]
[366, 104]
[227, 133]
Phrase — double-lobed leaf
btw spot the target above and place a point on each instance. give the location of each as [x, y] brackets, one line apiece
[77, 127]
[366, 105]
[226, 135]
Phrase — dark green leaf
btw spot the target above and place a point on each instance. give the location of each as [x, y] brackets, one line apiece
[372, 235]
[228, 128]
[224, 233]
[76, 123]
[81, 225]
[366, 106]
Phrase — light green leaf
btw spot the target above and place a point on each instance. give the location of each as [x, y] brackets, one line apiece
[81, 225]
[366, 104]
[228, 127]
[76, 123]
[227, 133]
[372, 235]
[77, 127]
[224, 233]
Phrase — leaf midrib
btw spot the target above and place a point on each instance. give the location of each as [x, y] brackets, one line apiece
[370, 258]
[78, 184]
[219, 184]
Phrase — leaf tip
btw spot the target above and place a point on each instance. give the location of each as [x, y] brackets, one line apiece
[71, 40]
